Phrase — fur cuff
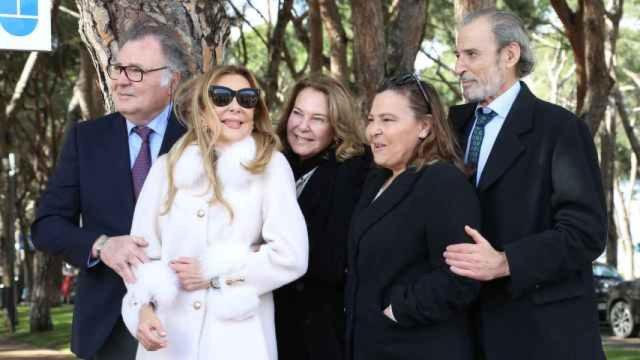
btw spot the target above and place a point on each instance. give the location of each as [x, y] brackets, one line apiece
[155, 281]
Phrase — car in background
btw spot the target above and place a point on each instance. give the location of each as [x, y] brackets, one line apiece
[604, 278]
[624, 308]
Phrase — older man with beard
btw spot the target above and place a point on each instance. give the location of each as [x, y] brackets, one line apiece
[536, 172]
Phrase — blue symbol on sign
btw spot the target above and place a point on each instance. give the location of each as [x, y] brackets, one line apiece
[19, 17]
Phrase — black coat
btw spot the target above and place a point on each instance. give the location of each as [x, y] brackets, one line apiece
[543, 204]
[310, 311]
[395, 257]
[92, 179]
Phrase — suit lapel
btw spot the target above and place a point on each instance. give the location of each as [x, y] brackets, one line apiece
[508, 146]
[174, 131]
[119, 155]
[368, 213]
[462, 117]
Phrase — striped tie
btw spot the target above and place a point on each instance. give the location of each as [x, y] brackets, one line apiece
[143, 162]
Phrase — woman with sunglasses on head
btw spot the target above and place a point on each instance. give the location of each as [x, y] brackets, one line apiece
[402, 300]
[323, 138]
[224, 229]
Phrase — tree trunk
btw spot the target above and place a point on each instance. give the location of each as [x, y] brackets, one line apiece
[202, 26]
[463, 7]
[337, 39]
[44, 288]
[368, 48]
[599, 82]
[316, 58]
[607, 167]
[276, 45]
[573, 23]
[405, 35]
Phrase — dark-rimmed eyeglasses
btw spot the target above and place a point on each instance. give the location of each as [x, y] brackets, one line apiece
[132, 72]
[223, 96]
[404, 79]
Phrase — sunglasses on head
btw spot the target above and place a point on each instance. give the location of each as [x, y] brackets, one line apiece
[404, 79]
[223, 96]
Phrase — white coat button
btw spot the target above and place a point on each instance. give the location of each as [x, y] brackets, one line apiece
[197, 305]
[200, 213]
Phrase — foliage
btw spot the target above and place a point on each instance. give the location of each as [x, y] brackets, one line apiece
[57, 339]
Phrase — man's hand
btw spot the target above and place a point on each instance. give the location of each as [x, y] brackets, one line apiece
[150, 332]
[123, 254]
[479, 261]
[189, 273]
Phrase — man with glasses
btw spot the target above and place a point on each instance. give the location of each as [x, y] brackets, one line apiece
[536, 172]
[85, 214]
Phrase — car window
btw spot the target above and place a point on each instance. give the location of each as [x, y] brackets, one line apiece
[605, 271]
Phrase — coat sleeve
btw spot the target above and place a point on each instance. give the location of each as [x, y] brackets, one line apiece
[154, 280]
[429, 293]
[283, 256]
[578, 234]
[56, 229]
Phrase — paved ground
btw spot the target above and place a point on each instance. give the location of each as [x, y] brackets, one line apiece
[17, 351]
[626, 344]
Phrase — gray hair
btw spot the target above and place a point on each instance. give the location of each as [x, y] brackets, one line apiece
[507, 28]
[171, 46]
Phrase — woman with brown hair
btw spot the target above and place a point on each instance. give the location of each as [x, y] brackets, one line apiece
[224, 229]
[323, 138]
[402, 301]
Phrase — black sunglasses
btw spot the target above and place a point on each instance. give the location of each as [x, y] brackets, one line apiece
[404, 79]
[223, 96]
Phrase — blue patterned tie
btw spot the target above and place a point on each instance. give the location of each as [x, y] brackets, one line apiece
[478, 134]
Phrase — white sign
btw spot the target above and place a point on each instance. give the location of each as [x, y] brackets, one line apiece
[25, 24]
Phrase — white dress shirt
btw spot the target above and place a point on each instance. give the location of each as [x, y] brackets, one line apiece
[501, 106]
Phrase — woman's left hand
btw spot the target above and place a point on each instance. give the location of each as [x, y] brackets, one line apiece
[189, 273]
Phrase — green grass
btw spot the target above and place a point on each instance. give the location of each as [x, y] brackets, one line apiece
[57, 339]
[615, 354]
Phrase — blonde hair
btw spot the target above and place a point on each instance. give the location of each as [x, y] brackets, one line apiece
[342, 113]
[193, 106]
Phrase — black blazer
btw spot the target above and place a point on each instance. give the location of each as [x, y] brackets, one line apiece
[542, 203]
[395, 257]
[92, 180]
[310, 311]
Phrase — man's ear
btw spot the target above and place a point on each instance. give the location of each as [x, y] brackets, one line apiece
[511, 54]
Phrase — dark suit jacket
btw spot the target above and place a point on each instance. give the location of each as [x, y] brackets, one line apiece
[310, 311]
[543, 204]
[92, 181]
[395, 257]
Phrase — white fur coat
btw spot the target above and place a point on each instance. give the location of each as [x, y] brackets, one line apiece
[262, 248]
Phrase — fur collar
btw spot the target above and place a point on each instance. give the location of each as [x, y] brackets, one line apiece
[189, 173]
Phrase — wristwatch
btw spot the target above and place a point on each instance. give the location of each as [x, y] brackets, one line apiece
[214, 282]
[100, 243]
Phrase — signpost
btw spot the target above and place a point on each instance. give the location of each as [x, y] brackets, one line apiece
[25, 25]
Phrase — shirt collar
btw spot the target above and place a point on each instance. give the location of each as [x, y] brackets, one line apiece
[502, 104]
[158, 124]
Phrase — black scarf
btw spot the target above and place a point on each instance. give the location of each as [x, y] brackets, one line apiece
[301, 167]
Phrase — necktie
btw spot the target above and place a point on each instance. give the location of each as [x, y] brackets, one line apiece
[143, 162]
[478, 134]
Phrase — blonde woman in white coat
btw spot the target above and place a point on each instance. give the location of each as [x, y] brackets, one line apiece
[224, 229]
